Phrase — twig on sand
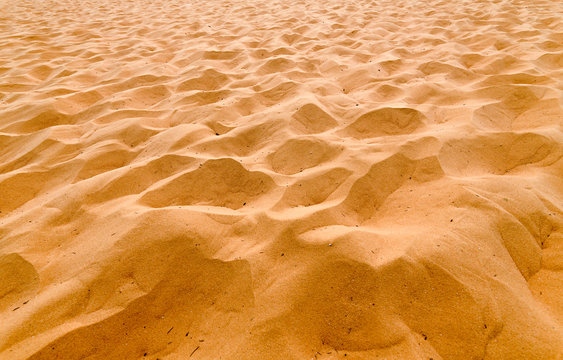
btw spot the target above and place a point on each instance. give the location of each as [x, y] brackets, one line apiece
[194, 351]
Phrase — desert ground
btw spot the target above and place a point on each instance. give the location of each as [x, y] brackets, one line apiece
[292, 180]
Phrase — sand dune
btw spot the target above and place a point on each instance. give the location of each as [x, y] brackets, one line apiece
[281, 179]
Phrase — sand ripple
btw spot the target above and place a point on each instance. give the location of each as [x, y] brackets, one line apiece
[281, 179]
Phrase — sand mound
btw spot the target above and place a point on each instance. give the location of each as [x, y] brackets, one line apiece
[311, 119]
[281, 180]
[221, 182]
[386, 121]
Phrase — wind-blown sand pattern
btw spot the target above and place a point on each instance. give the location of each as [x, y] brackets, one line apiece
[281, 179]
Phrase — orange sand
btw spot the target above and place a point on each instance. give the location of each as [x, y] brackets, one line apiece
[281, 179]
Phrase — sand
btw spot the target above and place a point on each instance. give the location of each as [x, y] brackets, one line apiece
[281, 179]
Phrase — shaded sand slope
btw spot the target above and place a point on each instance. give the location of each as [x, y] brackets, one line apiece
[281, 179]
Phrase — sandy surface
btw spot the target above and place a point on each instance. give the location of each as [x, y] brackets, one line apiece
[281, 179]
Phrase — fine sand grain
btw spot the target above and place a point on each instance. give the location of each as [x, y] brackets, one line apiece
[281, 179]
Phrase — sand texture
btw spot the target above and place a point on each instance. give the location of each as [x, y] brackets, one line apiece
[286, 180]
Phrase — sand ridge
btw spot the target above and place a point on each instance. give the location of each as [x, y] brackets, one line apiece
[281, 179]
